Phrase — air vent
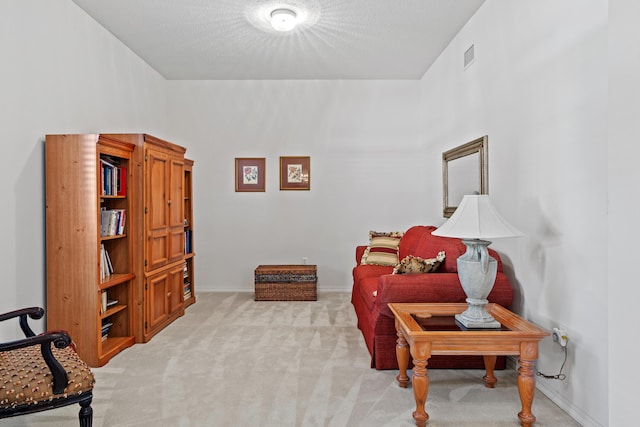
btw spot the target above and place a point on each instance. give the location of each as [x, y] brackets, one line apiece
[469, 56]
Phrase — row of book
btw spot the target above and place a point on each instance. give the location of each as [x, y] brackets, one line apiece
[106, 326]
[106, 268]
[113, 178]
[187, 282]
[112, 222]
[106, 303]
[188, 240]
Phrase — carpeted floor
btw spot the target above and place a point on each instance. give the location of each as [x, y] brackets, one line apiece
[232, 361]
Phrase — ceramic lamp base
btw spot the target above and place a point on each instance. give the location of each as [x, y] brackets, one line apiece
[477, 273]
[482, 321]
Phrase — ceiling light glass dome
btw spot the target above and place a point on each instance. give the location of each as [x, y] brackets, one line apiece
[283, 19]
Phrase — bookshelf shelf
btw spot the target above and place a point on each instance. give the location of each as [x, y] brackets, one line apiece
[119, 236]
[114, 280]
[113, 310]
[114, 345]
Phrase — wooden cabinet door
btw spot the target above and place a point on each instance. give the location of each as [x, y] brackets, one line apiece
[156, 210]
[157, 312]
[164, 297]
[176, 292]
[164, 209]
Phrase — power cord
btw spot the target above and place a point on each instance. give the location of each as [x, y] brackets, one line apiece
[559, 376]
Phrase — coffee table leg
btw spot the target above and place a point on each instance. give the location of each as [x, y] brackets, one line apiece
[526, 388]
[489, 365]
[420, 381]
[402, 354]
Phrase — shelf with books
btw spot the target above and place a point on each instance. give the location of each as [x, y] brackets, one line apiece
[188, 242]
[112, 221]
[106, 303]
[113, 258]
[106, 327]
[113, 176]
[187, 279]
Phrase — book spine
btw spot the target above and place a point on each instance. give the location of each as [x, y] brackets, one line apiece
[103, 263]
[103, 301]
[122, 181]
[121, 220]
[113, 222]
[104, 222]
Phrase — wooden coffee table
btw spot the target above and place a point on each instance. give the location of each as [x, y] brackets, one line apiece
[430, 329]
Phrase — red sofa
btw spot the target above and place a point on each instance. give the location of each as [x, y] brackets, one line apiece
[376, 321]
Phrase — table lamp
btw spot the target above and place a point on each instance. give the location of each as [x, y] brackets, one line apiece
[474, 221]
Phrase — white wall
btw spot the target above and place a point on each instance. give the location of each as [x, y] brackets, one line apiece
[61, 73]
[367, 172]
[624, 204]
[538, 89]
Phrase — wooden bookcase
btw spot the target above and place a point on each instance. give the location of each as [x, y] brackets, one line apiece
[189, 252]
[145, 291]
[77, 288]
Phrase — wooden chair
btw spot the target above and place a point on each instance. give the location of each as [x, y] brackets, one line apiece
[42, 372]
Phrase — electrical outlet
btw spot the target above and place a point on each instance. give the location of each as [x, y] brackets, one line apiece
[560, 336]
[304, 260]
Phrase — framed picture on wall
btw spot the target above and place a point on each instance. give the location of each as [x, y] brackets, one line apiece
[295, 173]
[250, 173]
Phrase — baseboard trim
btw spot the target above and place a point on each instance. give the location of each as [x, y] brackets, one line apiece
[245, 290]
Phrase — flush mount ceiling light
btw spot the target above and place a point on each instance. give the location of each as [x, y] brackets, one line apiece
[283, 19]
[264, 15]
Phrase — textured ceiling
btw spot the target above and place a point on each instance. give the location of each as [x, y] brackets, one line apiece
[233, 40]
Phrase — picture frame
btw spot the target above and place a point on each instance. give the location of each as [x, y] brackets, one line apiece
[250, 174]
[295, 172]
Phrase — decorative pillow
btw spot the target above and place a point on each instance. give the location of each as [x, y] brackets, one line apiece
[413, 264]
[383, 248]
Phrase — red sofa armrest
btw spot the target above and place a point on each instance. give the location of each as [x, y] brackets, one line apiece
[359, 252]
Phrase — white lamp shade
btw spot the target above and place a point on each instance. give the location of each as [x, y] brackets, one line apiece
[283, 19]
[477, 218]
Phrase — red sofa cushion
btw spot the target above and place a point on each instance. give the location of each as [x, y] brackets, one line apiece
[429, 246]
[411, 239]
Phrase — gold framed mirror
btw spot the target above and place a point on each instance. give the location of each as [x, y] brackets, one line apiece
[464, 171]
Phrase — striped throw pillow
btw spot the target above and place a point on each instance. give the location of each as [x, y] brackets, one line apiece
[383, 248]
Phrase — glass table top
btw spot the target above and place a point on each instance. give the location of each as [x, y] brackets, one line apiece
[447, 323]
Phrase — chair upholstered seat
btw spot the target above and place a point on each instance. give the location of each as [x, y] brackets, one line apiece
[25, 378]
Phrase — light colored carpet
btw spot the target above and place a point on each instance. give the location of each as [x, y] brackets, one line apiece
[231, 361]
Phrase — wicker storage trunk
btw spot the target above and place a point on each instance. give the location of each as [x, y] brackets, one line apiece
[286, 283]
